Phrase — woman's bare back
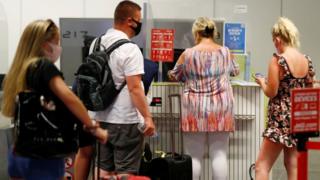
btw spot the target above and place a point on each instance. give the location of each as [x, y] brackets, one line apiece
[297, 62]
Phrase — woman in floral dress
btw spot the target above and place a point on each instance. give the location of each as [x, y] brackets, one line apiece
[288, 69]
[207, 100]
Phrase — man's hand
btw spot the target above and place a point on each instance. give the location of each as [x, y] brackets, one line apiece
[150, 127]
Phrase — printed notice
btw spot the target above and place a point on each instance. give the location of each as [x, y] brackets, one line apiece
[305, 110]
[235, 37]
[162, 42]
[240, 9]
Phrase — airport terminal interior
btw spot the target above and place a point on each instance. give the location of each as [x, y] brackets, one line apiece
[251, 45]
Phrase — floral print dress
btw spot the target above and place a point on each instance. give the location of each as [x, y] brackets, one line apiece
[279, 107]
[207, 100]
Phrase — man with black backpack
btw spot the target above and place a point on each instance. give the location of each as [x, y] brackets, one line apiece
[122, 154]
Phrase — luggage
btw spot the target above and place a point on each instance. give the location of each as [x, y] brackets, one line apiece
[145, 163]
[94, 163]
[171, 165]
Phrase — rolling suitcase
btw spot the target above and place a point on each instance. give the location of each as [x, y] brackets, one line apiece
[172, 165]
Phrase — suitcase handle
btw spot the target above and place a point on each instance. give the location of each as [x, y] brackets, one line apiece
[171, 97]
[162, 153]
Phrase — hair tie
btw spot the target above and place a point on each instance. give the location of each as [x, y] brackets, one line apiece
[209, 30]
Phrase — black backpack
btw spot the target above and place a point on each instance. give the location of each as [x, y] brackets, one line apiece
[94, 84]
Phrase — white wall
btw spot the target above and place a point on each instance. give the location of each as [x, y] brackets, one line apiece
[259, 16]
[306, 14]
[19, 13]
[181, 9]
[12, 15]
[3, 38]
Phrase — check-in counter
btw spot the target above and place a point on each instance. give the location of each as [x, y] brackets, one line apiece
[244, 142]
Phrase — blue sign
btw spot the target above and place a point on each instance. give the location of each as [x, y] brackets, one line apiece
[235, 37]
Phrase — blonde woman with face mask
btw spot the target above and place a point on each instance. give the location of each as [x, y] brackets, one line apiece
[288, 69]
[207, 99]
[33, 68]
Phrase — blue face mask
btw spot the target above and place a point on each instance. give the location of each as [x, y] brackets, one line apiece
[136, 29]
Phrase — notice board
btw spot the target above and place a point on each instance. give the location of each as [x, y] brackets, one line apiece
[162, 45]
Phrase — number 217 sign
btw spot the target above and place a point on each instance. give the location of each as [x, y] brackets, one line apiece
[305, 110]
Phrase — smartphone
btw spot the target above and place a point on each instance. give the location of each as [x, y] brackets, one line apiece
[257, 75]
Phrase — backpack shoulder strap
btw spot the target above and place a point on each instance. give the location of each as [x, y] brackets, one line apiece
[114, 46]
[117, 44]
[97, 43]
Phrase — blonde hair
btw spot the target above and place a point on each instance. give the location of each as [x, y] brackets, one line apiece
[29, 50]
[204, 27]
[287, 31]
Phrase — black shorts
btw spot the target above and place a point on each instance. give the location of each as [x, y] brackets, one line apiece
[123, 151]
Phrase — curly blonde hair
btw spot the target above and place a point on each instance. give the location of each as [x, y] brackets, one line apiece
[204, 27]
[287, 31]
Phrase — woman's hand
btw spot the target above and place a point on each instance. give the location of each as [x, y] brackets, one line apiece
[100, 134]
[97, 131]
[260, 80]
[170, 76]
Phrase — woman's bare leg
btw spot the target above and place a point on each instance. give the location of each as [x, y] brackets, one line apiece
[268, 154]
[291, 162]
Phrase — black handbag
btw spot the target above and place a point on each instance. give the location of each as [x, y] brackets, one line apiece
[44, 128]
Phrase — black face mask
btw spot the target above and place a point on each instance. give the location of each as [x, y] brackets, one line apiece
[136, 29]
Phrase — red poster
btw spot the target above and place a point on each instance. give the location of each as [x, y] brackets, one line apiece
[305, 110]
[162, 45]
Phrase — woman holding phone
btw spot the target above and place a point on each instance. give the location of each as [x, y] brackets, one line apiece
[288, 69]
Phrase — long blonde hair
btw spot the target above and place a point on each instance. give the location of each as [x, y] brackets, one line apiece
[29, 50]
[287, 31]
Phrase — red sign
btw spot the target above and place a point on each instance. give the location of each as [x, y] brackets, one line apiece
[162, 45]
[305, 110]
